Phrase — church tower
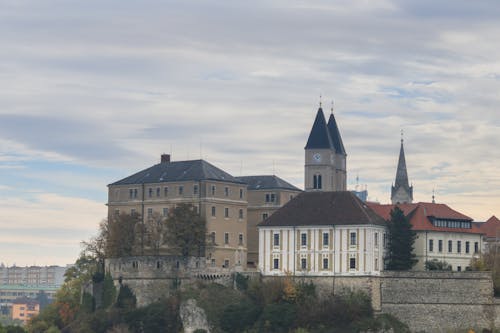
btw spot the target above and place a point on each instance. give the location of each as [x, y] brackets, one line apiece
[401, 191]
[325, 156]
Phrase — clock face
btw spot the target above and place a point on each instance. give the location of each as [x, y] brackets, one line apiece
[317, 157]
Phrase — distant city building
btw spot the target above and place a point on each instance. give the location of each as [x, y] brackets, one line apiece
[24, 309]
[28, 282]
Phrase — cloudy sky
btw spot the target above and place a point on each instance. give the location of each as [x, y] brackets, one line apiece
[92, 91]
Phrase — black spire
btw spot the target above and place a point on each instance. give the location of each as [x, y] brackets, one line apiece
[402, 178]
[319, 138]
[335, 135]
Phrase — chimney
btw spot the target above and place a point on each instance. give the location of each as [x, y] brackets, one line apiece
[165, 158]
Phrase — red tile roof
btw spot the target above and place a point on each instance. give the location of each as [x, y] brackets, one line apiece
[491, 227]
[421, 212]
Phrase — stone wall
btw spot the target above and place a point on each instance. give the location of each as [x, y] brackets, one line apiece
[439, 301]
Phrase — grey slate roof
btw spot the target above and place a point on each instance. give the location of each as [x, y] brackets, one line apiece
[319, 138]
[402, 174]
[335, 135]
[267, 182]
[178, 171]
[324, 208]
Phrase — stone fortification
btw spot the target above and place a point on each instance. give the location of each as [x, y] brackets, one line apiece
[425, 301]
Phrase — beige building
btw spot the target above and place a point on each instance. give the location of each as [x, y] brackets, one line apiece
[220, 198]
[24, 309]
[266, 194]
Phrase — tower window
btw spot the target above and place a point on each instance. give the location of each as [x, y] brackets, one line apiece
[317, 182]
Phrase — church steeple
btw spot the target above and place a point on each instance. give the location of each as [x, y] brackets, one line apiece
[325, 166]
[401, 192]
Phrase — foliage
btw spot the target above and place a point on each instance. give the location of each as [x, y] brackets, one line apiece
[119, 235]
[161, 316]
[490, 261]
[42, 299]
[108, 291]
[239, 317]
[278, 317]
[185, 233]
[155, 228]
[126, 298]
[241, 281]
[436, 265]
[88, 303]
[401, 240]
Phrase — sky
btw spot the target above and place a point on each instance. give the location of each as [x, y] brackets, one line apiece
[93, 91]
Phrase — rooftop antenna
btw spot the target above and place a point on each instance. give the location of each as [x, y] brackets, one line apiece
[433, 196]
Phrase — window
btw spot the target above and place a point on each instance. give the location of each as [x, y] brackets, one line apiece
[165, 212]
[476, 247]
[150, 192]
[303, 263]
[352, 263]
[376, 239]
[213, 211]
[270, 197]
[226, 212]
[241, 193]
[117, 212]
[440, 245]
[158, 191]
[135, 193]
[195, 189]
[240, 214]
[384, 240]
[276, 241]
[181, 190]
[131, 193]
[226, 238]
[265, 216]
[132, 211]
[353, 239]
[226, 191]
[459, 268]
[212, 262]
[376, 264]
[431, 245]
[150, 212]
[226, 263]
[450, 246]
[276, 263]
[325, 263]
[459, 246]
[212, 237]
[213, 190]
[303, 239]
[467, 247]
[165, 191]
[158, 265]
[317, 182]
[240, 239]
[326, 240]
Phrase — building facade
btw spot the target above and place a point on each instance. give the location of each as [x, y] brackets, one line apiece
[24, 309]
[266, 194]
[323, 233]
[218, 197]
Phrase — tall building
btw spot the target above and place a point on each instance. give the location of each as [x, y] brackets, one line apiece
[220, 199]
[401, 191]
[24, 309]
[266, 194]
[325, 156]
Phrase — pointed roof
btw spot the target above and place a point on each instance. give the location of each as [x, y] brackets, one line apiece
[324, 208]
[267, 182]
[319, 138]
[335, 135]
[178, 171]
[401, 173]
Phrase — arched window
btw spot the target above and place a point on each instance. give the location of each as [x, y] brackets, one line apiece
[317, 182]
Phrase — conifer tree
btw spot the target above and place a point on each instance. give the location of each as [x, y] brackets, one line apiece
[401, 240]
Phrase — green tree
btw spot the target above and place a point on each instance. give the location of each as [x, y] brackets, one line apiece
[436, 265]
[108, 291]
[186, 232]
[401, 239]
[126, 298]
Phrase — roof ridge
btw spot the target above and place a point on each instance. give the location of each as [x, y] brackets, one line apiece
[360, 205]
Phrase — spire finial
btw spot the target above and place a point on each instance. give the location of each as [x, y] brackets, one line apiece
[433, 196]
[332, 106]
[402, 136]
[320, 100]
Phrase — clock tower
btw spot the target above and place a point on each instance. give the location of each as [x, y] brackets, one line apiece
[325, 157]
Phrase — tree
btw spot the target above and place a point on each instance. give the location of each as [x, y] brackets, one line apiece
[436, 265]
[155, 229]
[119, 234]
[401, 240]
[185, 233]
